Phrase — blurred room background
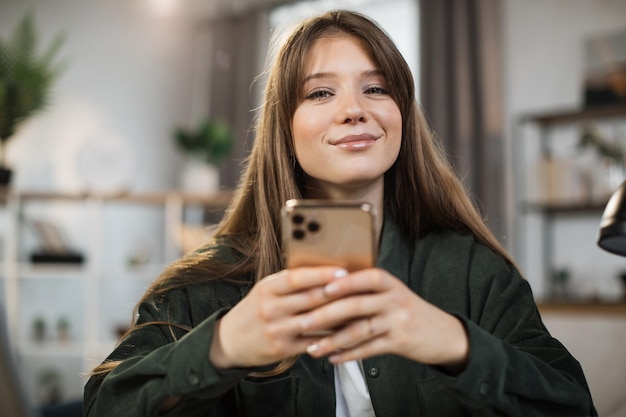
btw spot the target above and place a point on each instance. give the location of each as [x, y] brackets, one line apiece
[529, 97]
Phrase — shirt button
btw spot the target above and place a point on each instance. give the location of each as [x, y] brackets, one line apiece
[373, 372]
[194, 379]
[483, 388]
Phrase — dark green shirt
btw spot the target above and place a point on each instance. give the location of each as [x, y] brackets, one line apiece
[515, 367]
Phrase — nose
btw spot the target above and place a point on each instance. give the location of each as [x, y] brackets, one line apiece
[352, 109]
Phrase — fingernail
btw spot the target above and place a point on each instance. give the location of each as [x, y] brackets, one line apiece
[331, 288]
[340, 273]
[312, 348]
[334, 359]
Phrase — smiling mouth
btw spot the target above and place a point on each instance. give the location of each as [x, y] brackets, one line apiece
[356, 142]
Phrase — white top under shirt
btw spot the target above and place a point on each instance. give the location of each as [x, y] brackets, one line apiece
[353, 397]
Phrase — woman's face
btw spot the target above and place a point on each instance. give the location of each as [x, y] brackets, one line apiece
[347, 129]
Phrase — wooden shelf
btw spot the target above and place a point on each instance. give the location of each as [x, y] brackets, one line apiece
[19, 278]
[581, 209]
[583, 307]
[576, 115]
[591, 207]
[218, 199]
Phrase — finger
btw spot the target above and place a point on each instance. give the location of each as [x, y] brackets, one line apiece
[352, 335]
[371, 328]
[337, 313]
[372, 347]
[289, 281]
[297, 303]
[364, 281]
[288, 340]
[372, 343]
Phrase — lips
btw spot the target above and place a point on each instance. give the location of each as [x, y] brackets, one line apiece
[355, 142]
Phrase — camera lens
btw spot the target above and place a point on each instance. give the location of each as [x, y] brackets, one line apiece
[298, 234]
[297, 219]
[313, 226]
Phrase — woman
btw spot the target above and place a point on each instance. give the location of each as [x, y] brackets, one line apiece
[443, 326]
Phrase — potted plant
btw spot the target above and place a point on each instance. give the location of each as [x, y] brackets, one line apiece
[611, 154]
[26, 79]
[206, 146]
[39, 329]
[63, 329]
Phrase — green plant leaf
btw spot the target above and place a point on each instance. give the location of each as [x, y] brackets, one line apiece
[210, 141]
[26, 78]
[591, 138]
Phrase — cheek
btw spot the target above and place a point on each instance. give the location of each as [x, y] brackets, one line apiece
[396, 126]
[304, 128]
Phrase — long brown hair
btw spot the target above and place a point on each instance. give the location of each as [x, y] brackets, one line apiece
[421, 191]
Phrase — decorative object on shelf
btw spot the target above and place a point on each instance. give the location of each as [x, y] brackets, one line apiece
[140, 255]
[612, 235]
[591, 137]
[555, 181]
[63, 329]
[53, 247]
[49, 387]
[25, 82]
[605, 74]
[39, 329]
[611, 156]
[560, 279]
[206, 146]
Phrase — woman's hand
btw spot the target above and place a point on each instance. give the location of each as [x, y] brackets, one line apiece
[381, 315]
[266, 326]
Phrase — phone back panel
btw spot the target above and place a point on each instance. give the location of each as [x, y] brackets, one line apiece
[320, 232]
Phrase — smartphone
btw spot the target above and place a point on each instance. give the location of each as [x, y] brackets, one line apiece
[328, 233]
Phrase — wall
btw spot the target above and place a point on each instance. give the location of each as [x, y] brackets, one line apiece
[127, 80]
[131, 75]
[544, 71]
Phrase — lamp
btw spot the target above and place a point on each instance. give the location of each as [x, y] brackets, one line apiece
[612, 236]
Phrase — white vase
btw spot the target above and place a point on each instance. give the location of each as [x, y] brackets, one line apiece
[198, 177]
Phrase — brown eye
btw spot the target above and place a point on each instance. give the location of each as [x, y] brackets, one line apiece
[377, 90]
[319, 95]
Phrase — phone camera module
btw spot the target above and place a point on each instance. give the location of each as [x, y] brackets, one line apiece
[298, 234]
[297, 219]
[313, 226]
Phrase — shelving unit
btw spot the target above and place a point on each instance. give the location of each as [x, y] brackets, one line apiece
[562, 117]
[87, 293]
[547, 126]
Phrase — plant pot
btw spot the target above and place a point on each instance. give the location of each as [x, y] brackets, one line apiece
[5, 176]
[199, 177]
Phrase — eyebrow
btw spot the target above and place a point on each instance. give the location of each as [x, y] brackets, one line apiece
[320, 75]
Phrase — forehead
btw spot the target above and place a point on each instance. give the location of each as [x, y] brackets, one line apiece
[335, 51]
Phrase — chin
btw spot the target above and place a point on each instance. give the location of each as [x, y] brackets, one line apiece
[359, 181]
[349, 177]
